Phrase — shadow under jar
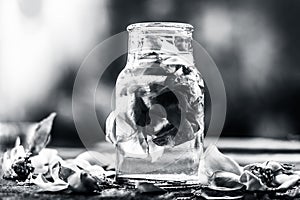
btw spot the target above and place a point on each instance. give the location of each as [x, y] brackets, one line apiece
[159, 105]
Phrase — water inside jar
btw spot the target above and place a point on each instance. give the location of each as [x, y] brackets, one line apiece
[159, 111]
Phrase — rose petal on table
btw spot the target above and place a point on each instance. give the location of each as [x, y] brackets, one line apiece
[83, 182]
[76, 164]
[281, 178]
[274, 166]
[216, 161]
[55, 171]
[101, 159]
[45, 185]
[65, 173]
[226, 179]
[53, 186]
[252, 182]
[96, 170]
[293, 179]
[44, 159]
[250, 166]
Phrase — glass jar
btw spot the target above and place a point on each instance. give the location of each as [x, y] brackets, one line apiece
[159, 105]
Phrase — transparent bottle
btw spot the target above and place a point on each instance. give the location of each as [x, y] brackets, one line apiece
[159, 105]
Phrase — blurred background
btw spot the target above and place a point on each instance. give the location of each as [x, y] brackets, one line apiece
[255, 45]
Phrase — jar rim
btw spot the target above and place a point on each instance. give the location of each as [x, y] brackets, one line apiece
[160, 26]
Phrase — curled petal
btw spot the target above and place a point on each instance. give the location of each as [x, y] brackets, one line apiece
[293, 179]
[45, 185]
[226, 179]
[216, 161]
[101, 159]
[252, 182]
[96, 170]
[41, 136]
[280, 179]
[274, 166]
[44, 159]
[82, 182]
[250, 166]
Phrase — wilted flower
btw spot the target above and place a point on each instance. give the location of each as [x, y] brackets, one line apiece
[12, 158]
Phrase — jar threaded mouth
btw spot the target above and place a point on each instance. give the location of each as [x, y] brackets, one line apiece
[160, 26]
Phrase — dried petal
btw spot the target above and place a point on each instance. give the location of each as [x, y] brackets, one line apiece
[101, 159]
[281, 178]
[41, 137]
[252, 182]
[52, 186]
[216, 161]
[226, 179]
[274, 166]
[83, 182]
[9, 158]
[44, 159]
[96, 170]
[65, 173]
[45, 185]
[293, 179]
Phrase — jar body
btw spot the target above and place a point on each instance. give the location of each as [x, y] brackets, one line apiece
[159, 113]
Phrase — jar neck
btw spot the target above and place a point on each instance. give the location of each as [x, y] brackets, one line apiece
[160, 41]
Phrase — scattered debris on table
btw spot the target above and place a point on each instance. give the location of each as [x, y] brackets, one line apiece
[30, 162]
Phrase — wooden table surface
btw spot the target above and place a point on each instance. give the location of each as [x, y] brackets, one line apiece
[244, 151]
